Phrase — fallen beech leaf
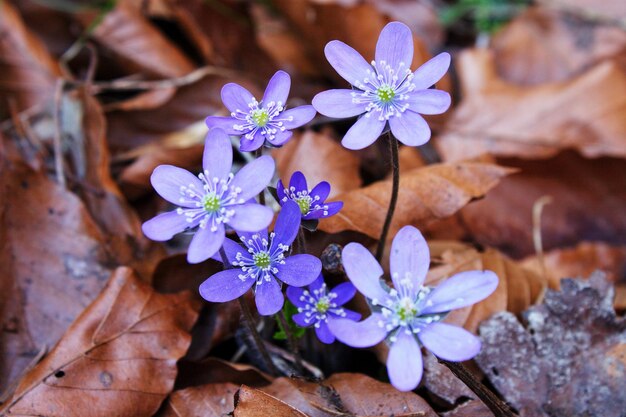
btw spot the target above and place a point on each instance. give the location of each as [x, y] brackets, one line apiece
[472, 408]
[118, 358]
[55, 260]
[572, 349]
[27, 72]
[587, 206]
[524, 50]
[250, 402]
[584, 113]
[426, 194]
[207, 400]
[320, 158]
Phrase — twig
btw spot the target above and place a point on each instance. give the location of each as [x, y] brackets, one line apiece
[292, 342]
[58, 133]
[498, 407]
[395, 168]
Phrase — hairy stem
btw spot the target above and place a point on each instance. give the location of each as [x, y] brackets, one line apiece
[498, 407]
[395, 169]
[292, 341]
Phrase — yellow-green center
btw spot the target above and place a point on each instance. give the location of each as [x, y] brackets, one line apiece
[211, 203]
[406, 310]
[304, 203]
[260, 117]
[322, 305]
[262, 259]
[385, 93]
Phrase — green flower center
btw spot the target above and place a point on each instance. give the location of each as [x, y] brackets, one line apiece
[322, 305]
[262, 259]
[304, 203]
[385, 93]
[260, 117]
[211, 203]
[406, 310]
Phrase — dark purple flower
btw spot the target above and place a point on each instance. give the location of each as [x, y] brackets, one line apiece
[211, 200]
[317, 306]
[312, 203]
[410, 313]
[257, 122]
[386, 91]
[264, 263]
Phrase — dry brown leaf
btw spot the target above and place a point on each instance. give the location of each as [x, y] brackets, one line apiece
[426, 194]
[55, 260]
[118, 358]
[320, 158]
[250, 402]
[607, 10]
[27, 71]
[585, 113]
[543, 45]
[207, 400]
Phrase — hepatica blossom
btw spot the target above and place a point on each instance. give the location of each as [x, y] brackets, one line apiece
[385, 91]
[212, 200]
[265, 121]
[312, 203]
[263, 262]
[317, 305]
[410, 314]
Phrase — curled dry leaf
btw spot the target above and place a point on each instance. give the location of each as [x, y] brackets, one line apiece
[320, 158]
[207, 400]
[585, 113]
[572, 348]
[118, 358]
[525, 49]
[250, 402]
[426, 194]
[27, 72]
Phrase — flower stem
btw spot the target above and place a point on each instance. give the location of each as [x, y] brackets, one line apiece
[395, 169]
[292, 341]
[257, 154]
[498, 407]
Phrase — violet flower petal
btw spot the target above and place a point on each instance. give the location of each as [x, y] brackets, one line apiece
[345, 292]
[205, 243]
[365, 132]
[404, 362]
[410, 129]
[277, 89]
[251, 217]
[280, 191]
[317, 283]
[395, 46]
[217, 158]
[321, 191]
[230, 248]
[254, 177]
[294, 294]
[300, 319]
[167, 180]
[269, 299]
[287, 225]
[324, 334]
[429, 101]
[298, 181]
[249, 145]
[225, 286]
[280, 138]
[347, 62]
[431, 71]
[301, 115]
[364, 271]
[224, 123]
[351, 315]
[235, 97]
[409, 259]
[299, 270]
[461, 290]
[164, 226]
[449, 342]
[361, 334]
[338, 103]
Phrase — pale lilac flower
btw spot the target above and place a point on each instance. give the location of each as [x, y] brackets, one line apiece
[312, 203]
[260, 122]
[410, 314]
[214, 199]
[317, 305]
[385, 91]
[263, 263]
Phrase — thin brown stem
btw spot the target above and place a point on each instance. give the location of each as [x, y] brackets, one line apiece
[259, 153]
[292, 341]
[498, 407]
[395, 169]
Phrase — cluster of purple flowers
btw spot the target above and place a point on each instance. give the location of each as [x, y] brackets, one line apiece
[385, 94]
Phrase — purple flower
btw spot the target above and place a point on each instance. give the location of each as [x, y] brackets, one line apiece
[211, 200]
[410, 313]
[386, 91]
[317, 306]
[263, 263]
[312, 203]
[257, 122]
